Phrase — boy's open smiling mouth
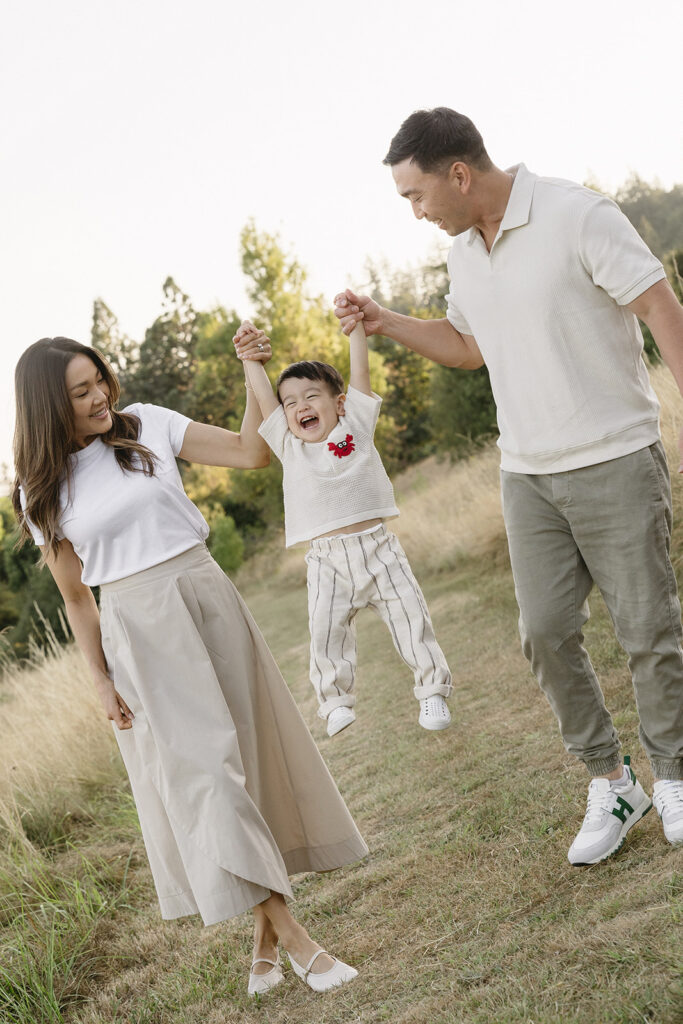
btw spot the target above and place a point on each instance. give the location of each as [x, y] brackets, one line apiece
[307, 422]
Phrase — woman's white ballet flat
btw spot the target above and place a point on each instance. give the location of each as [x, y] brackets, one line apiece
[260, 983]
[337, 975]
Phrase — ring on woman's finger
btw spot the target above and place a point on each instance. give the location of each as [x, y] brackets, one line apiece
[260, 347]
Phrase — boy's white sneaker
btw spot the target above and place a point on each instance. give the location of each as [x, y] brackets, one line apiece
[434, 713]
[612, 810]
[338, 719]
[667, 796]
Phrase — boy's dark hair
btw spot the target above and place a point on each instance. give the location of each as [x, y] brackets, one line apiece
[310, 369]
[433, 139]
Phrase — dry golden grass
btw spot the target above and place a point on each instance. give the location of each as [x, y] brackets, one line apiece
[53, 735]
[44, 709]
[466, 909]
[450, 511]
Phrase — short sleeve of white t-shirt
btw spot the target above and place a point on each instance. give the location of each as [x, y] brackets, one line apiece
[362, 411]
[168, 423]
[614, 254]
[274, 431]
[453, 313]
[120, 522]
[37, 535]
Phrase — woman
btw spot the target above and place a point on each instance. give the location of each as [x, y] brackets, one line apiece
[231, 791]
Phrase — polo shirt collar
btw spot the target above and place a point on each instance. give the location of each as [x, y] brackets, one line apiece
[519, 202]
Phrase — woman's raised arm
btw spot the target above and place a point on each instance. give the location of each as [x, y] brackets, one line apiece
[215, 446]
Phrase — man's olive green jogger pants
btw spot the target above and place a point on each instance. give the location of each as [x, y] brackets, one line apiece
[608, 524]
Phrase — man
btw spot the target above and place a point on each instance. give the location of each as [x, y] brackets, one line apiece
[547, 279]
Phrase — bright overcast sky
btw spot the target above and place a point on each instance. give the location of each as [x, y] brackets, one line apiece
[138, 136]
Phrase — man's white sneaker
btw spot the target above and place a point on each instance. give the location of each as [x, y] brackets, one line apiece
[612, 810]
[338, 719]
[667, 796]
[434, 713]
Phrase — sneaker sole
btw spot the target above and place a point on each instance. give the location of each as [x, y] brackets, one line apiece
[340, 728]
[633, 820]
[676, 841]
[434, 726]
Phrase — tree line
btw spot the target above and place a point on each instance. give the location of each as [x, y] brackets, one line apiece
[186, 361]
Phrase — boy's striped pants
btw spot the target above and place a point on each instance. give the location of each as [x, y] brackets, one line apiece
[367, 570]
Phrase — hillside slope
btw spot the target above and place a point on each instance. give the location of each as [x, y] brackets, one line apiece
[466, 909]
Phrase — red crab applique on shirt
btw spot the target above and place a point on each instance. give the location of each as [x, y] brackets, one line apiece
[343, 448]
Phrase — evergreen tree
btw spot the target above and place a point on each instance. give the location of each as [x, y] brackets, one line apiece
[407, 396]
[165, 367]
[22, 587]
[656, 214]
[299, 326]
[216, 394]
[436, 408]
[117, 348]
[462, 411]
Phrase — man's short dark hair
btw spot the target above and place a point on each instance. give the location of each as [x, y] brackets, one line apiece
[433, 139]
[310, 369]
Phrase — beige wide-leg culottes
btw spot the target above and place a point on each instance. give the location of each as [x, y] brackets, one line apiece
[231, 791]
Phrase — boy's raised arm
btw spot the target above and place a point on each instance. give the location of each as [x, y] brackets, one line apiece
[360, 363]
[257, 380]
[249, 342]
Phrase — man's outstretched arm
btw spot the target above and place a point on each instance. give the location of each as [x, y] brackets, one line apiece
[659, 308]
[437, 340]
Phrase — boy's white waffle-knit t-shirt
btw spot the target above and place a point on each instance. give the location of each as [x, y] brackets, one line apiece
[546, 307]
[336, 482]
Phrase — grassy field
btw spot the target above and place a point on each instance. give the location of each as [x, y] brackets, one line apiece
[466, 909]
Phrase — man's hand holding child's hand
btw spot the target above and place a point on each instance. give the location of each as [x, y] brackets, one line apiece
[351, 309]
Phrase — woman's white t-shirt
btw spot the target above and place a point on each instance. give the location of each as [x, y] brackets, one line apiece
[121, 522]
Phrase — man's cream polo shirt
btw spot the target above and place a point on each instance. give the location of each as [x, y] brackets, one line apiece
[546, 307]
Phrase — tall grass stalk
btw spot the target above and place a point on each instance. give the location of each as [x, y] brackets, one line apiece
[48, 956]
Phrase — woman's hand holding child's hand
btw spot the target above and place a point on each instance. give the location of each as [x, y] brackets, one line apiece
[251, 343]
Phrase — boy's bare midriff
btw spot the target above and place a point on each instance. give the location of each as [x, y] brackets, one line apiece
[366, 524]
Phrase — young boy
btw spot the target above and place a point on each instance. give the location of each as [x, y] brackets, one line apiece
[337, 496]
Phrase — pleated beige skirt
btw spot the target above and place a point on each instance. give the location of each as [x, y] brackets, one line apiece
[231, 791]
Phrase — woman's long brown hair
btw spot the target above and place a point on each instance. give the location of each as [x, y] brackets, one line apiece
[44, 434]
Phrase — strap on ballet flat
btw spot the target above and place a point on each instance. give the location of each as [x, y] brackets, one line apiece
[321, 952]
[264, 960]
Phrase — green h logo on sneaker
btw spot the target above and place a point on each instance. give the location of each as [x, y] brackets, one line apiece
[623, 809]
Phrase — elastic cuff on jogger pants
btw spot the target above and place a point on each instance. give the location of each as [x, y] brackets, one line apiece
[662, 768]
[603, 765]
